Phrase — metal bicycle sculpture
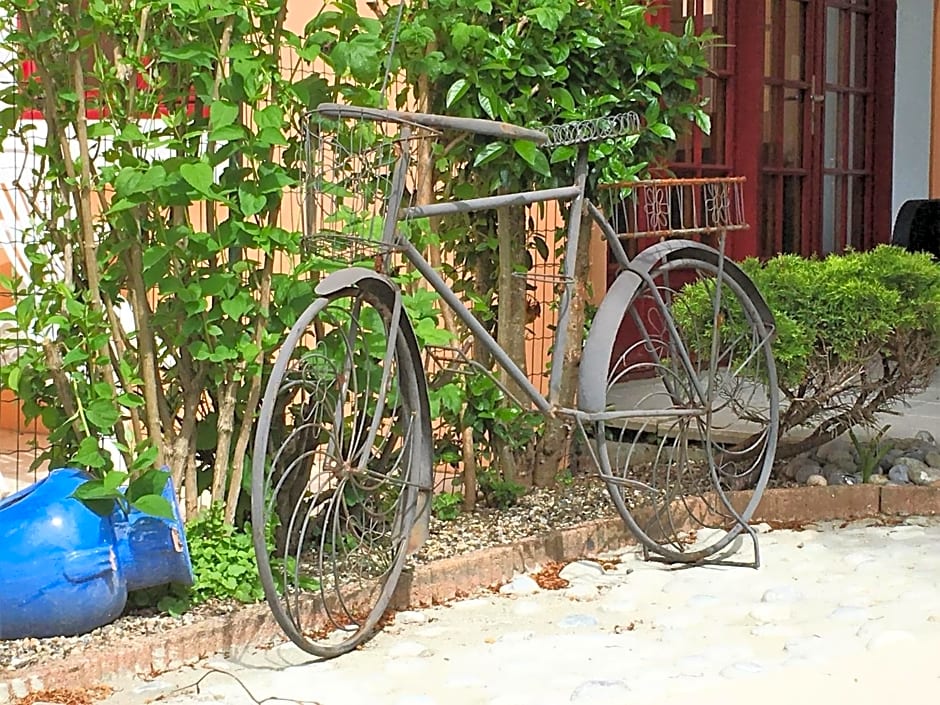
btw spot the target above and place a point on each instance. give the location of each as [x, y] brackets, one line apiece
[342, 466]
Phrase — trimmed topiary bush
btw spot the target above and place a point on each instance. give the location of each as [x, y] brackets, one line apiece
[856, 334]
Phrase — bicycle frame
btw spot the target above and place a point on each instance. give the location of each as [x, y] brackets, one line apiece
[633, 273]
[573, 194]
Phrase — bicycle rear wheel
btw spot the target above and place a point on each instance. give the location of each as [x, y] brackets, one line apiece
[699, 362]
[343, 427]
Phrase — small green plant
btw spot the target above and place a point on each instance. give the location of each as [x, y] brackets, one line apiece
[223, 559]
[446, 505]
[870, 452]
[224, 567]
[498, 492]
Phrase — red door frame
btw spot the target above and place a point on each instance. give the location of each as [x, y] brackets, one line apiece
[747, 108]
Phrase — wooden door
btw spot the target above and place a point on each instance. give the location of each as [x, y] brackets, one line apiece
[825, 149]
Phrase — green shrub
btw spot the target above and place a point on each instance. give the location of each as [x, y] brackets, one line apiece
[498, 492]
[446, 505]
[224, 567]
[855, 334]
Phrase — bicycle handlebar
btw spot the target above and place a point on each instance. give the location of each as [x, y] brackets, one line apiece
[489, 128]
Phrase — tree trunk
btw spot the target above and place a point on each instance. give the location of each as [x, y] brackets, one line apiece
[553, 447]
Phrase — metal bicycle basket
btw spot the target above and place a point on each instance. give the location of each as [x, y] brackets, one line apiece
[348, 180]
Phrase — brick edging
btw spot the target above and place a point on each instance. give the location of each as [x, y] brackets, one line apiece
[449, 578]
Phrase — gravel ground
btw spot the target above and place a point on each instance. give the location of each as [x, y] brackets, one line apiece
[536, 513]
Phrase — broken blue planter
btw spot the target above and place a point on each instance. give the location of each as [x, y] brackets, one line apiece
[66, 570]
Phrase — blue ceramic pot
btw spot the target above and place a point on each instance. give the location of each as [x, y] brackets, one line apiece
[65, 569]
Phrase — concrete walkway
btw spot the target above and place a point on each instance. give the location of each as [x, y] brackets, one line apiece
[846, 614]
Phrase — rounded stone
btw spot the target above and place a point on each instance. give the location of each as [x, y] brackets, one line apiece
[889, 638]
[810, 647]
[694, 666]
[782, 593]
[898, 474]
[850, 614]
[581, 569]
[601, 692]
[919, 476]
[933, 459]
[816, 481]
[770, 612]
[890, 459]
[520, 585]
[409, 649]
[411, 617]
[742, 669]
[582, 592]
[803, 470]
[575, 621]
[925, 437]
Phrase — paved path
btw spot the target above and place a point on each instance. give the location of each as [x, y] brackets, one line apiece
[835, 615]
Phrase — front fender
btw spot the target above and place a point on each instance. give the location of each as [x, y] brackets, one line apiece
[345, 281]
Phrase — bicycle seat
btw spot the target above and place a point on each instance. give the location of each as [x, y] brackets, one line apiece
[489, 128]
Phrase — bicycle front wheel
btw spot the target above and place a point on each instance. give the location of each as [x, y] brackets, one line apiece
[698, 362]
[342, 430]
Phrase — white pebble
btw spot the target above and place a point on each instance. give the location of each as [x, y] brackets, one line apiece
[601, 692]
[742, 669]
[409, 649]
[891, 637]
[782, 593]
[520, 585]
[811, 647]
[582, 592]
[581, 569]
[770, 612]
[577, 620]
[411, 617]
[526, 608]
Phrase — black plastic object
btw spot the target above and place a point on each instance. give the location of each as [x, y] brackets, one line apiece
[917, 227]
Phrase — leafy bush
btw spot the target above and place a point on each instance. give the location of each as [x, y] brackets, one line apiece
[224, 566]
[856, 333]
[446, 505]
[498, 492]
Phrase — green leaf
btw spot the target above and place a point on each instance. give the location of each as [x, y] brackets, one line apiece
[250, 201]
[271, 116]
[704, 121]
[113, 480]
[457, 90]
[222, 113]
[237, 306]
[154, 505]
[563, 98]
[152, 481]
[489, 153]
[663, 130]
[89, 455]
[487, 104]
[199, 176]
[103, 414]
[533, 156]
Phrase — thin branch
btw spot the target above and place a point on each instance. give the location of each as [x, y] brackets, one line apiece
[269, 699]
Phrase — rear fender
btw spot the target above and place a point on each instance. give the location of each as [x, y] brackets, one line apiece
[599, 346]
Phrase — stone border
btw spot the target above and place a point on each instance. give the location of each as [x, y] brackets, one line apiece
[448, 579]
